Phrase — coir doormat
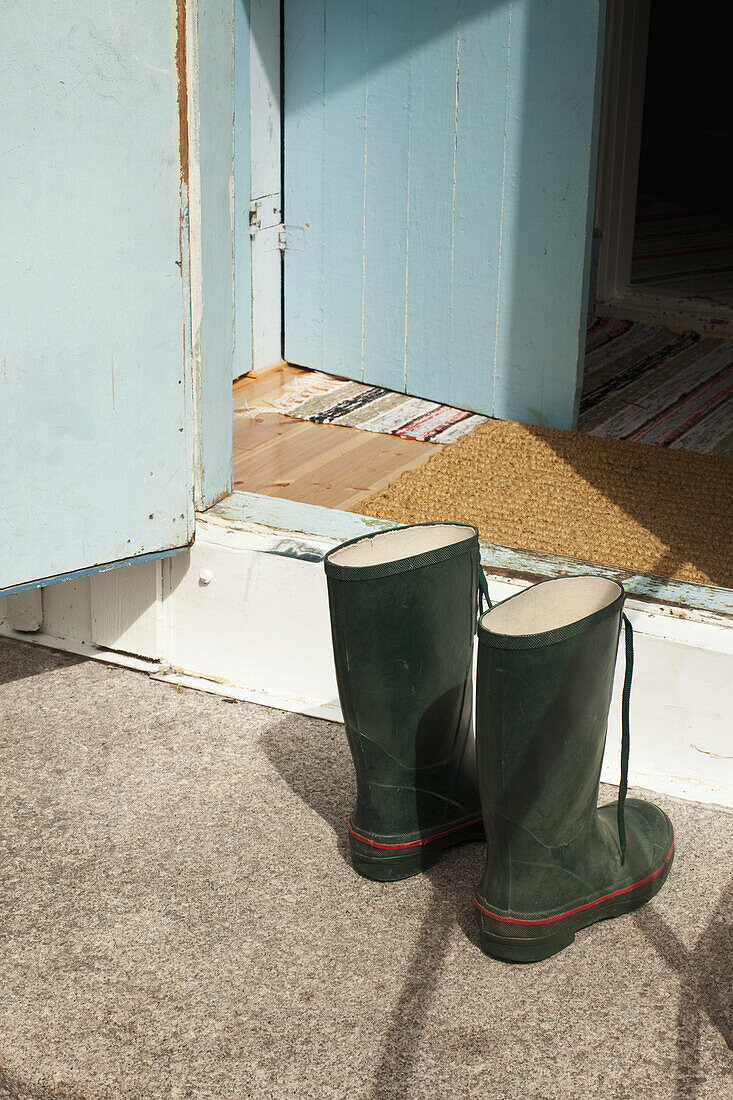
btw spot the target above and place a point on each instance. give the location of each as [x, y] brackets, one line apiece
[640, 508]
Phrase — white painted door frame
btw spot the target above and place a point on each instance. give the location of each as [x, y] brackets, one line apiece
[257, 186]
[619, 150]
[622, 107]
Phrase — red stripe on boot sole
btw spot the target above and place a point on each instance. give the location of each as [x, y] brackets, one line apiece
[411, 843]
[580, 908]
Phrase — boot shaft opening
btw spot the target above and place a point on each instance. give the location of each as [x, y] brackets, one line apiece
[551, 605]
[400, 544]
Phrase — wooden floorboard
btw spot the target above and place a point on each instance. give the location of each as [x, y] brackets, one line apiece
[325, 464]
[262, 431]
[351, 476]
[255, 391]
[284, 460]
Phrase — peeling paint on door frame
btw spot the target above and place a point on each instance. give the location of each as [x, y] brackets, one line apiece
[182, 89]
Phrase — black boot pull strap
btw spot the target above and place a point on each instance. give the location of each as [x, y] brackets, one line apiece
[483, 591]
[625, 735]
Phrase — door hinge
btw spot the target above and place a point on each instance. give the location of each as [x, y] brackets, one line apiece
[264, 213]
[290, 237]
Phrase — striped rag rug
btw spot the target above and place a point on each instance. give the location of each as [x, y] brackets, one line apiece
[691, 253]
[650, 385]
[645, 384]
[327, 400]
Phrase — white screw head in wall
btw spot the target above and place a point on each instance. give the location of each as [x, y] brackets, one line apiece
[206, 576]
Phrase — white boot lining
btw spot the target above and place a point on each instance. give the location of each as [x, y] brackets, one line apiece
[550, 605]
[403, 542]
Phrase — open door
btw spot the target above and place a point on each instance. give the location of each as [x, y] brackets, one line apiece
[96, 461]
[439, 180]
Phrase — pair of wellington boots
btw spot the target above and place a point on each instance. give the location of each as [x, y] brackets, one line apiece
[404, 605]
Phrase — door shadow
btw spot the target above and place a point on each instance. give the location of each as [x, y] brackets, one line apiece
[19, 660]
[13, 1087]
[683, 499]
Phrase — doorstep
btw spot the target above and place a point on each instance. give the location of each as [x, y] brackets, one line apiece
[244, 614]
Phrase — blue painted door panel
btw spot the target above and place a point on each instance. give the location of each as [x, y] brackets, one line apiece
[439, 167]
[96, 448]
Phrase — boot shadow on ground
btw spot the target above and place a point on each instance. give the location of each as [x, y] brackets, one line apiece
[313, 758]
[453, 881]
[704, 972]
[315, 762]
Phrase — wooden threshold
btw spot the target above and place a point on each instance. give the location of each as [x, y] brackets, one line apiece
[261, 387]
[651, 307]
[261, 372]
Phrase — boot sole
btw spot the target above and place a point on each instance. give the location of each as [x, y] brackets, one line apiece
[534, 940]
[390, 862]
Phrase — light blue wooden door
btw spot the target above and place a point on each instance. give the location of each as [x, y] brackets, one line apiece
[438, 181]
[96, 448]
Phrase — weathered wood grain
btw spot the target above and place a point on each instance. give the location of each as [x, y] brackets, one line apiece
[439, 164]
[95, 409]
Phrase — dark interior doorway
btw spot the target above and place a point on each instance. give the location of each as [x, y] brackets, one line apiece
[683, 233]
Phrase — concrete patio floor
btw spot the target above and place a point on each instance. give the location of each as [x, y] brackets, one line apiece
[178, 918]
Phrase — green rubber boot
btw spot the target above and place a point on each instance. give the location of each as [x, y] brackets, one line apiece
[403, 619]
[556, 863]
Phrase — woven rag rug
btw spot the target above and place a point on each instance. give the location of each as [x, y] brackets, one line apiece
[327, 400]
[643, 384]
[677, 247]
